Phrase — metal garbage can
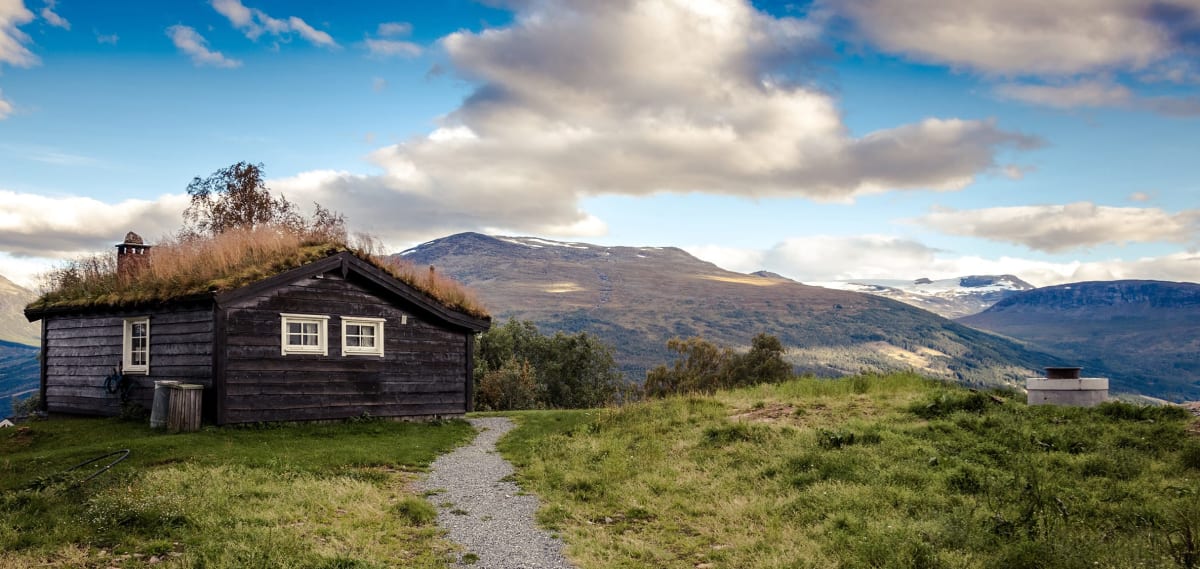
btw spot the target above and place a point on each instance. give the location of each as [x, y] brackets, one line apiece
[161, 405]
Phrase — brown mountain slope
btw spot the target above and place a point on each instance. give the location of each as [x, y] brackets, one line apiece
[13, 325]
[636, 298]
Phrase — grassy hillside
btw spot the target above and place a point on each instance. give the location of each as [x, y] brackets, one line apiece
[864, 472]
[320, 496]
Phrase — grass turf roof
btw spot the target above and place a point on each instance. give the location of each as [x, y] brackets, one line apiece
[177, 270]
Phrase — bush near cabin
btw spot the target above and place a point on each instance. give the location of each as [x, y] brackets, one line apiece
[518, 367]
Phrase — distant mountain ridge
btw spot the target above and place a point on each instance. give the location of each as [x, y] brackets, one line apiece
[637, 298]
[13, 325]
[1146, 333]
[951, 298]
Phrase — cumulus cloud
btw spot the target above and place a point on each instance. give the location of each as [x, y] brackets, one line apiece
[64, 227]
[391, 48]
[13, 14]
[189, 41]
[580, 98]
[254, 23]
[1022, 36]
[53, 18]
[1056, 228]
[1145, 40]
[385, 206]
[821, 258]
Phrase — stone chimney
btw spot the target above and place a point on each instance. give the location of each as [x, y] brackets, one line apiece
[131, 255]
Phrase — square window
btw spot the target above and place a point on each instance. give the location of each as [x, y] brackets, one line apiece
[135, 350]
[362, 336]
[304, 334]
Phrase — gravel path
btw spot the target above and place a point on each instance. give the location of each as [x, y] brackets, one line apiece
[486, 514]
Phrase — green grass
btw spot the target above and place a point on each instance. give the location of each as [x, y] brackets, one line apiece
[871, 471]
[331, 495]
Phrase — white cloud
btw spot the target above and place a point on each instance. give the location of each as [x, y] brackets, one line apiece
[1056, 228]
[388, 29]
[254, 23]
[313, 35]
[1020, 37]
[378, 84]
[392, 48]
[1140, 197]
[64, 227]
[823, 258]
[6, 107]
[581, 98]
[1078, 94]
[52, 18]
[110, 39]
[12, 40]
[1077, 45]
[25, 271]
[189, 41]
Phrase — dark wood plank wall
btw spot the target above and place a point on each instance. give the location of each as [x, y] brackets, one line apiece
[422, 373]
[82, 350]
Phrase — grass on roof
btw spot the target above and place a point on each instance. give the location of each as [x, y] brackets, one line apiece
[179, 268]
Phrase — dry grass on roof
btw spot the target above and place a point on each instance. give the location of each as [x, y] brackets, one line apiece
[175, 269]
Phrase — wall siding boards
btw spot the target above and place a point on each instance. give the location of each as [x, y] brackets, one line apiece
[421, 373]
[82, 350]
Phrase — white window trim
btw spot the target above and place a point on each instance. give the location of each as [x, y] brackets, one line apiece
[127, 347]
[322, 322]
[377, 350]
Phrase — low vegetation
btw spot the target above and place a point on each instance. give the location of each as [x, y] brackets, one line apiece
[866, 471]
[701, 366]
[518, 367]
[180, 267]
[331, 496]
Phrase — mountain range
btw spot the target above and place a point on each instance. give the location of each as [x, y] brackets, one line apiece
[13, 325]
[1145, 335]
[19, 341]
[951, 298]
[637, 298]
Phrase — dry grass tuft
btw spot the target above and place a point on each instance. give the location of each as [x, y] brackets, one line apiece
[178, 268]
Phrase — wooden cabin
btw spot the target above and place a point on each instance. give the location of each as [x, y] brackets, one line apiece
[334, 338]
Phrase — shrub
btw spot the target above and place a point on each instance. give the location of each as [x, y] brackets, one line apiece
[567, 371]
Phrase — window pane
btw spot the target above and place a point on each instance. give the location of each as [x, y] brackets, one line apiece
[138, 330]
[310, 328]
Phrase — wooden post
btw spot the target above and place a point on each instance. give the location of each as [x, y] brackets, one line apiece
[184, 415]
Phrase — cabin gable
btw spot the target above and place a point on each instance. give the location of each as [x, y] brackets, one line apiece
[420, 373]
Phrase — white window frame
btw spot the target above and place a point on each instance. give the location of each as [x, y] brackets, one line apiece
[322, 322]
[377, 323]
[127, 365]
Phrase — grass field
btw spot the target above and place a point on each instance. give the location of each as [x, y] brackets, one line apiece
[891, 471]
[321, 496]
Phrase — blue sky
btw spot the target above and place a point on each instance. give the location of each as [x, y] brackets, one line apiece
[823, 140]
